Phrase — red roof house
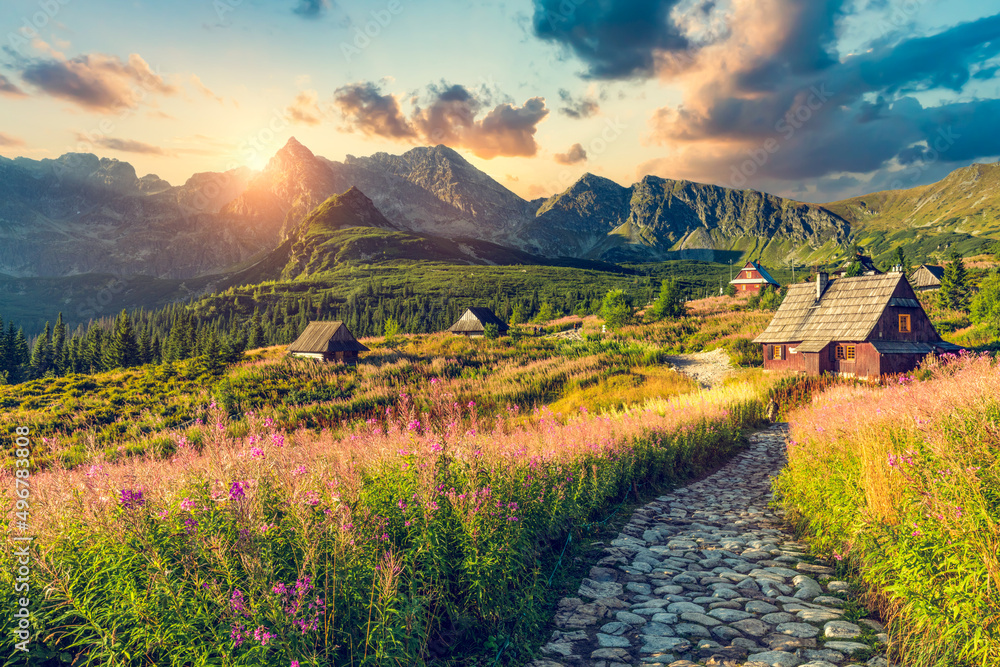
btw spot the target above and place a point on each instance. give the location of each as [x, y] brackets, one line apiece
[752, 278]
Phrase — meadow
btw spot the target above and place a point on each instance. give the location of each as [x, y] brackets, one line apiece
[391, 540]
[902, 483]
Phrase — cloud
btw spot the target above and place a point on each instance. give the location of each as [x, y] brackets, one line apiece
[305, 109]
[574, 155]
[365, 109]
[97, 82]
[7, 140]
[446, 114]
[8, 88]
[204, 90]
[616, 38]
[770, 96]
[311, 9]
[123, 145]
[583, 107]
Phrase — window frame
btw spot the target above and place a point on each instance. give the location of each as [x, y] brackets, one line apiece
[776, 352]
[845, 352]
[905, 317]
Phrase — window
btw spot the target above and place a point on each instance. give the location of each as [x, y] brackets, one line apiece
[846, 352]
[904, 324]
[776, 352]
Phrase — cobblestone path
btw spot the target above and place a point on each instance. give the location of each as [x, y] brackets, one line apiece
[707, 575]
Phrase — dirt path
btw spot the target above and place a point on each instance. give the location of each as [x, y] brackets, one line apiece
[708, 368]
[710, 575]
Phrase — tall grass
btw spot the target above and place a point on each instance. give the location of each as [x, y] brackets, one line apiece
[411, 538]
[904, 482]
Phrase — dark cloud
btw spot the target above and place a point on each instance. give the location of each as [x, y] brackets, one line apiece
[445, 114]
[8, 88]
[616, 39]
[574, 155]
[583, 107]
[97, 82]
[7, 140]
[311, 9]
[124, 145]
[365, 109]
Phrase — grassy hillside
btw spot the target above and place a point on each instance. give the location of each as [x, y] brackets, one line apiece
[962, 212]
[397, 512]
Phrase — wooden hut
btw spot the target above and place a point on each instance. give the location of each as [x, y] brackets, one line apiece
[473, 322]
[327, 341]
[864, 326]
[752, 278]
[927, 277]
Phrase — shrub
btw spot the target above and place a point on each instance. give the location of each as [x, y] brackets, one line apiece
[745, 352]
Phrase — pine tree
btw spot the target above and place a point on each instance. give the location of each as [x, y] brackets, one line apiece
[20, 358]
[58, 360]
[123, 349]
[670, 302]
[954, 292]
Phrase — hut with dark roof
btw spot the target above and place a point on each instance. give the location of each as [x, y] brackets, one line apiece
[752, 278]
[927, 277]
[864, 326]
[327, 341]
[473, 322]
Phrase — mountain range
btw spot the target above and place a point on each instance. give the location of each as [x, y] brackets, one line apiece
[80, 214]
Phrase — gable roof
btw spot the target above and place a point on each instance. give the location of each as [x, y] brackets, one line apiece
[320, 337]
[765, 277]
[848, 310]
[927, 275]
[475, 319]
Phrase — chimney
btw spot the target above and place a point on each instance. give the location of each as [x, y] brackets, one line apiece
[822, 280]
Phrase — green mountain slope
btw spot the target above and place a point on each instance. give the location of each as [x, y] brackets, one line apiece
[961, 211]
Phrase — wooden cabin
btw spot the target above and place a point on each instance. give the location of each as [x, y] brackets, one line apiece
[864, 326]
[927, 277]
[752, 278]
[473, 322]
[327, 341]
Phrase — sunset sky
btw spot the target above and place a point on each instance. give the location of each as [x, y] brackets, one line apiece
[813, 99]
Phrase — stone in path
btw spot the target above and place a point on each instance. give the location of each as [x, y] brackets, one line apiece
[707, 575]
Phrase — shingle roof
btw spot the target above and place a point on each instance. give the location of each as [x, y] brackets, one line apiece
[901, 347]
[320, 337]
[927, 275]
[848, 310]
[475, 320]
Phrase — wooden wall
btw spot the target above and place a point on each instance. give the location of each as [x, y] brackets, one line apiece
[788, 362]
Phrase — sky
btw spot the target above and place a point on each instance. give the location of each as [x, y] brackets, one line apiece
[816, 100]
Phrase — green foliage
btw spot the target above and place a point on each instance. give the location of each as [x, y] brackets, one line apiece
[745, 352]
[491, 331]
[730, 290]
[955, 290]
[545, 313]
[853, 270]
[986, 303]
[616, 309]
[670, 303]
[391, 331]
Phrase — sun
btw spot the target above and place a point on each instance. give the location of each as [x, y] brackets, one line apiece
[257, 161]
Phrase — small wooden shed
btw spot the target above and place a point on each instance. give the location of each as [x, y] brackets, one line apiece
[327, 341]
[927, 277]
[752, 278]
[864, 326]
[473, 322]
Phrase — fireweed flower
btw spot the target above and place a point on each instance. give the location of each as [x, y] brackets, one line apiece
[188, 504]
[131, 499]
[190, 525]
[301, 470]
[236, 491]
[278, 440]
[256, 452]
[262, 635]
